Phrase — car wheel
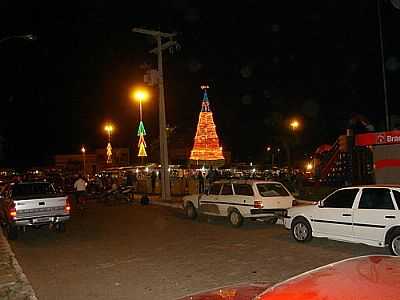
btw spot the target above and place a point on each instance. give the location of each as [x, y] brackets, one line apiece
[60, 227]
[394, 243]
[12, 232]
[301, 230]
[191, 212]
[235, 218]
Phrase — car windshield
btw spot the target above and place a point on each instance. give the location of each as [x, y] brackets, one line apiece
[30, 189]
[271, 190]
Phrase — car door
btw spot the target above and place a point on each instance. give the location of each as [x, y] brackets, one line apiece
[209, 202]
[244, 197]
[226, 198]
[376, 212]
[334, 218]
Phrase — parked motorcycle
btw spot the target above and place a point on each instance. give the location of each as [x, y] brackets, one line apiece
[124, 194]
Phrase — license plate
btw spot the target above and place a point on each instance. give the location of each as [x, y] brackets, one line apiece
[41, 220]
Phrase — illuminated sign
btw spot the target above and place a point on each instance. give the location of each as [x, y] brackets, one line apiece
[378, 138]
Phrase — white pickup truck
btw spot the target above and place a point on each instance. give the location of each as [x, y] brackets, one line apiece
[32, 204]
[241, 199]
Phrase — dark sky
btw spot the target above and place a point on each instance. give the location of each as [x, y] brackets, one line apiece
[265, 61]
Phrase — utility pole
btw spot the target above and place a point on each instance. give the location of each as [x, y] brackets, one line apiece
[165, 182]
[385, 97]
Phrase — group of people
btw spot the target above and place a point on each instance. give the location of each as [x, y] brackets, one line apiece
[211, 176]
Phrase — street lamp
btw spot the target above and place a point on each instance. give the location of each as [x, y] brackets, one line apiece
[83, 150]
[269, 148]
[109, 129]
[294, 126]
[141, 95]
[158, 36]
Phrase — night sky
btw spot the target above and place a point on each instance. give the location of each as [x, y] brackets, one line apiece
[265, 61]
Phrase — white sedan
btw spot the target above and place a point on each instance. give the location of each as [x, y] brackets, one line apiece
[360, 214]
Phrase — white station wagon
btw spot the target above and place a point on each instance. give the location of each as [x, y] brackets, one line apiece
[240, 199]
[364, 214]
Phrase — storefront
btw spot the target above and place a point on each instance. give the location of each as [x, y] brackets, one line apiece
[385, 148]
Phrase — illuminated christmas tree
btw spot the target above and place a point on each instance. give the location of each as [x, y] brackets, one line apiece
[141, 144]
[206, 148]
[109, 153]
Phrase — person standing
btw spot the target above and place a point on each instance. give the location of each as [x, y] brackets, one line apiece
[200, 179]
[80, 189]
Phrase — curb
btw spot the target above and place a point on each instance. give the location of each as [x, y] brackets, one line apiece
[26, 290]
[168, 204]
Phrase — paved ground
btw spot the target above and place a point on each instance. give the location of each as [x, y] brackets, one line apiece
[13, 282]
[153, 252]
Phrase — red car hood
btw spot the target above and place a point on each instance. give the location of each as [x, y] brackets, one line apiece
[361, 278]
[236, 292]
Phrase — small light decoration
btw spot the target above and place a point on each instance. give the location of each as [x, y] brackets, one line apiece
[109, 129]
[206, 142]
[142, 143]
[109, 153]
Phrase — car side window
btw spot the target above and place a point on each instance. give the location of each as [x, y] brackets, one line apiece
[227, 189]
[243, 189]
[271, 190]
[376, 199]
[215, 188]
[341, 199]
[396, 195]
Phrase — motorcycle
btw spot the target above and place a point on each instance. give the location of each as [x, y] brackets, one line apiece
[124, 194]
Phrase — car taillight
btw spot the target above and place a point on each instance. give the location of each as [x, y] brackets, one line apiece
[258, 204]
[12, 211]
[67, 207]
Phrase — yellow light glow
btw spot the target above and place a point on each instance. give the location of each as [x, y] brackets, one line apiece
[109, 128]
[140, 95]
[83, 150]
[309, 166]
[294, 124]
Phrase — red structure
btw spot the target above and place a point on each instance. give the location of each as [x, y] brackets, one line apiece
[206, 148]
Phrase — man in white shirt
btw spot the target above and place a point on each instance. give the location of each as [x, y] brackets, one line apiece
[80, 188]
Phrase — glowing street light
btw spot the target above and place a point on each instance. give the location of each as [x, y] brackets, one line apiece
[294, 124]
[109, 129]
[140, 95]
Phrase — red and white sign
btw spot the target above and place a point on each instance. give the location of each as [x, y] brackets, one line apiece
[378, 138]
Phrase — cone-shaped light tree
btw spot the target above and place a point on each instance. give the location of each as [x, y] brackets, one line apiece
[206, 149]
[142, 143]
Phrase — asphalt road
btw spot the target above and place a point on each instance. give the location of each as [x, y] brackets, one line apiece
[153, 252]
